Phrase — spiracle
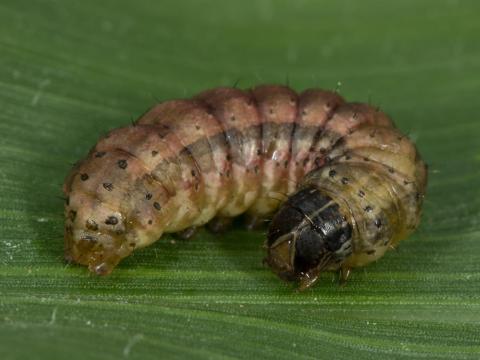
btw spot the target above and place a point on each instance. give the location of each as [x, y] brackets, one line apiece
[339, 182]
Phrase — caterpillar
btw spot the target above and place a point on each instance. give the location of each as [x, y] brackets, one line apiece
[339, 182]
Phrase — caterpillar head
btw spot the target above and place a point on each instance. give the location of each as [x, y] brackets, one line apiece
[95, 236]
[307, 235]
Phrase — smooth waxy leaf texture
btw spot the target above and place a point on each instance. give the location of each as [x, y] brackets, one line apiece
[70, 71]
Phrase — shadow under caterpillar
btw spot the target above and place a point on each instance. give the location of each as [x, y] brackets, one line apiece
[355, 184]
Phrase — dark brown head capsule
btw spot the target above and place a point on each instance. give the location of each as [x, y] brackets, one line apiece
[309, 234]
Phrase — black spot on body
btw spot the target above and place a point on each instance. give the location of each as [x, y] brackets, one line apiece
[122, 164]
[154, 153]
[84, 177]
[111, 220]
[368, 208]
[332, 173]
[108, 186]
[156, 205]
[378, 223]
[361, 193]
[344, 180]
[91, 225]
[100, 154]
[148, 196]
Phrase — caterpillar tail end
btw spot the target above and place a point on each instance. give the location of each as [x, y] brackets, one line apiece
[100, 257]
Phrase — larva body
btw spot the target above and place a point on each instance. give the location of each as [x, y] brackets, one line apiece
[354, 183]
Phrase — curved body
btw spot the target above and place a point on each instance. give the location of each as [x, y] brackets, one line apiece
[226, 152]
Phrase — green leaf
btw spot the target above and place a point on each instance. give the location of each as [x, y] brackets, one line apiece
[70, 71]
